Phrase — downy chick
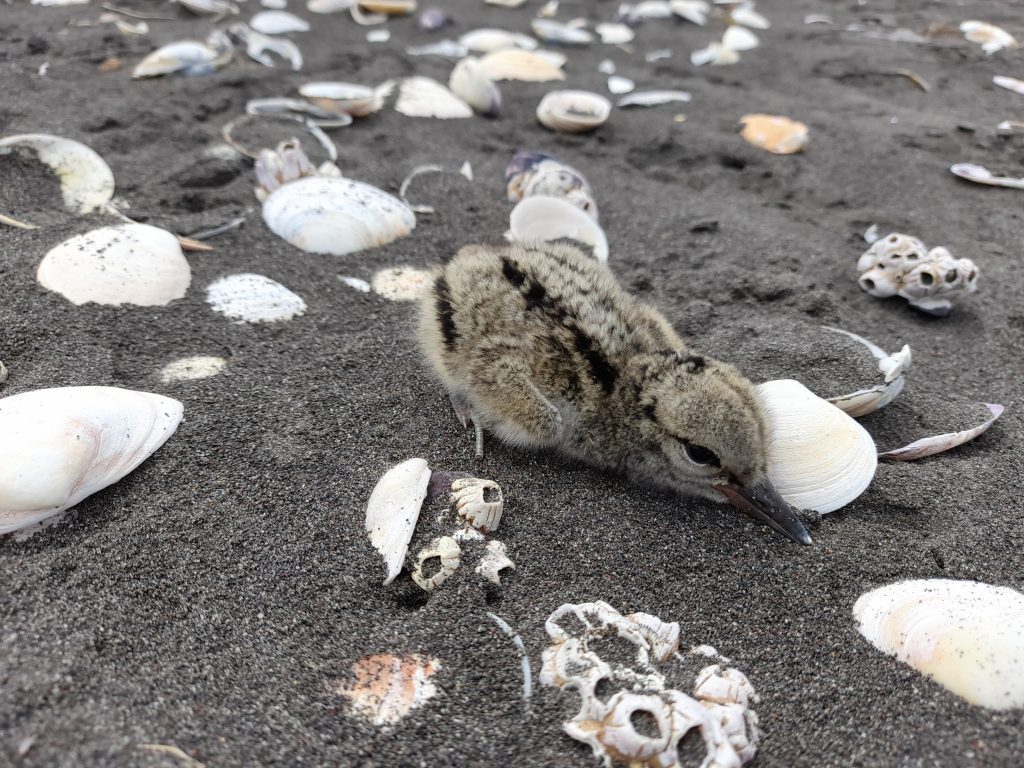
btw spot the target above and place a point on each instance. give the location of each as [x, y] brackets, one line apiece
[541, 346]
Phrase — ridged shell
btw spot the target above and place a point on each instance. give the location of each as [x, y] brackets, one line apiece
[573, 111]
[58, 446]
[253, 299]
[818, 457]
[86, 181]
[966, 635]
[393, 510]
[123, 264]
[541, 217]
[336, 216]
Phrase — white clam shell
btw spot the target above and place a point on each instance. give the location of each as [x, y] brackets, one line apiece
[614, 34]
[966, 635]
[253, 299]
[551, 31]
[122, 264]
[351, 98]
[619, 85]
[526, 66]
[470, 83]
[86, 181]
[393, 509]
[739, 39]
[448, 551]
[58, 446]
[424, 97]
[336, 216]
[541, 218]
[573, 111]
[190, 57]
[278, 23]
[490, 40]
[818, 457]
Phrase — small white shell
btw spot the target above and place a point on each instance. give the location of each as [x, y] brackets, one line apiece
[619, 85]
[478, 502]
[192, 368]
[527, 66]
[494, 561]
[694, 11]
[1009, 83]
[447, 549]
[86, 181]
[966, 635]
[336, 216]
[540, 218]
[550, 31]
[278, 23]
[122, 264]
[715, 54]
[982, 175]
[253, 299]
[653, 98]
[329, 6]
[739, 39]
[424, 97]
[573, 111]
[491, 40]
[393, 510]
[58, 446]
[818, 457]
[614, 34]
[469, 82]
[748, 17]
[990, 37]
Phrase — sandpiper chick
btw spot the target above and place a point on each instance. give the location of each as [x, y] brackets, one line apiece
[541, 346]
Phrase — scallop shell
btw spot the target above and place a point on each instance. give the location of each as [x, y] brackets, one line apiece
[776, 134]
[336, 216]
[965, 635]
[393, 510]
[470, 83]
[86, 181]
[526, 66]
[448, 551]
[573, 111]
[540, 218]
[490, 40]
[253, 299]
[58, 446]
[818, 457]
[424, 97]
[387, 687]
[122, 264]
[278, 23]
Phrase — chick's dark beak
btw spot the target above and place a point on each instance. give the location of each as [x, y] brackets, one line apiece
[762, 502]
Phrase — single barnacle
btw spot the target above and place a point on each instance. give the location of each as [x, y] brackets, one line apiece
[478, 502]
[445, 548]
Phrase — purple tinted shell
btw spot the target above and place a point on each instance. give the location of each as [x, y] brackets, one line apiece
[433, 19]
[523, 162]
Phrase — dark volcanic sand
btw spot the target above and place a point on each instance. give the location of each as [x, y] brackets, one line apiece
[211, 599]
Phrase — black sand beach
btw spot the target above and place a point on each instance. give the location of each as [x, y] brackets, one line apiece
[213, 598]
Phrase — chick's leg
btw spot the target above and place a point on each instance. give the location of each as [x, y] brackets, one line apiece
[510, 403]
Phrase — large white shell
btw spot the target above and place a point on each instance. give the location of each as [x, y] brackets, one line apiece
[573, 111]
[278, 23]
[966, 635]
[58, 446]
[86, 181]
[541, 217]
[336, 216]
[818, 457]
[393, 510]
[122, 264]
[253, 299]
[424, 97]
[470, 83]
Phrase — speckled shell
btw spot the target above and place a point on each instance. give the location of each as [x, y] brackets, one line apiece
[253, 298]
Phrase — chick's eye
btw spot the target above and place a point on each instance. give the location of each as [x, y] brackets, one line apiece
[701, 455]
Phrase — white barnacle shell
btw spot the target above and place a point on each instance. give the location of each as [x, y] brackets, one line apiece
[336, 216]
[478, 502]
[393, 509]
[494, 561]
[724, 686]
[122, 264]
[86, 181]
[818, 457]
[251, 298]
[424, 97]
[541, 217]
[662, 638]
[448, 551]
[740, 726]
[470, 83]
[966, 635]
[58, 446]
[573, 111]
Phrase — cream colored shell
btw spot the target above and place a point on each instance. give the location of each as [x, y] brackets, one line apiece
[573, 111]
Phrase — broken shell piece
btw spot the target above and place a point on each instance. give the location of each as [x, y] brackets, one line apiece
[393, 509]
[746, 15]
[86, 181]
[469, 82]
[58, 446]
[300, 108]
[402, 283]
[929, 446]
[614, 34]
[1009, 83]
[573, 111]
[527, 66]
[981, 175]
[652, 98]
[423, 97]
[865, 401]
[278, 23]
[541, 218]
[258, 46]
[694, 11]
[619, 85]
[494, 561]
[387, 687]
[284, 165]
[990, 37]
[214, 7]
[966, 635]
[897, 265]
[724, 686]
[350, 98]
[557, 33]
[818, 457]
[478, 502]
[776, 134]
[190, 57]
[192, 368]
[535, 173]
[448, 551]
[389, 7]
[739, 39]
[253, 298]
[491, 40]
[715, 54]
[122, 264]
